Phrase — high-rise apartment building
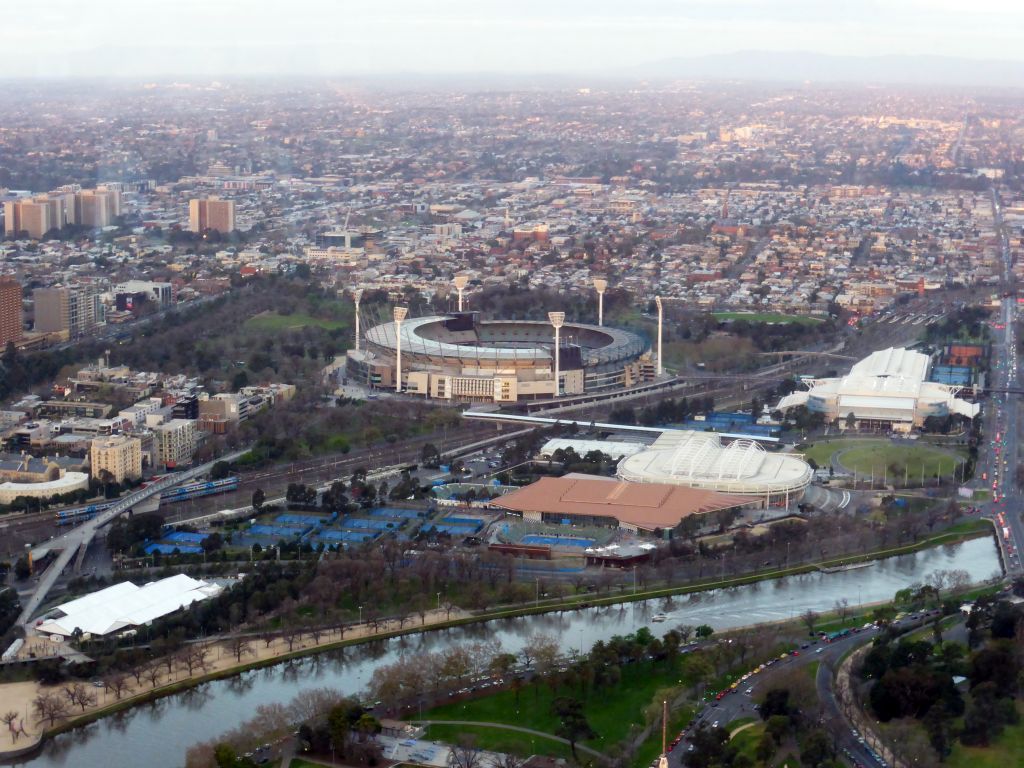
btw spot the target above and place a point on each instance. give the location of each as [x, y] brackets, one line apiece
[212, 213]
[68, 205]
[175, 441]
[119, 455]
[11, 321]
[76, 309]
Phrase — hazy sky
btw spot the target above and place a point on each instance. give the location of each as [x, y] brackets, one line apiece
[159, 37]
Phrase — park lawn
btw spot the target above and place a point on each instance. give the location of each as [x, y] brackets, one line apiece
[822, 452]
[901, 460]
[298, 762]
[610, 712]
[766, 317]
[812, 668]
[497, 740]
[1007, 750]
[863, 454]
[746, 740]
[274, 322]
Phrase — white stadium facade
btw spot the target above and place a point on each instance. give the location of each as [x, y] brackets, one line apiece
[701, 460]
[886, 390]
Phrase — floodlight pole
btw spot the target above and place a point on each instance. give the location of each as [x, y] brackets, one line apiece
[460, 282]
[357, 296]
[399, 315]
[600, 285]
[557, 320]
[661, 321]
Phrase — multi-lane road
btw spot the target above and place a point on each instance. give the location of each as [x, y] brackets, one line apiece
[1000, 452]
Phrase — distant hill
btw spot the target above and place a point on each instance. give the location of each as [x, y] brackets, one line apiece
[823, 68]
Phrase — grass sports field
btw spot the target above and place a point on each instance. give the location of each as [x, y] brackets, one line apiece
[896, 459]
[271, 321]
[766, 317]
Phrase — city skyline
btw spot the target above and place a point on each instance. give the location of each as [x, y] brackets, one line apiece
[457, 37]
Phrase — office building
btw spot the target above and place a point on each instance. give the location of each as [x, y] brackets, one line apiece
[11, 322]
[119, 455]
[211, 214]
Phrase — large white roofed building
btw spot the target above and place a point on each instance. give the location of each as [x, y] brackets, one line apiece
[888, 388]
[126, 606]
[701, 460]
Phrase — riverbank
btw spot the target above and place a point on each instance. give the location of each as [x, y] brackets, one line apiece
[223, 663]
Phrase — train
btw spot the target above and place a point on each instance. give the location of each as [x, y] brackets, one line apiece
[81, 514]
[196, 490]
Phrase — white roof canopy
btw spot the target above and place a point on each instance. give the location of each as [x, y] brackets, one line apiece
[126, 605]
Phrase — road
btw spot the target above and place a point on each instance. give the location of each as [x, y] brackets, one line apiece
[1000, 450]
[70, 542]
[740, 704]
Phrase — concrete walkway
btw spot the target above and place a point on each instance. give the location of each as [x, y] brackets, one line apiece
[503, 726]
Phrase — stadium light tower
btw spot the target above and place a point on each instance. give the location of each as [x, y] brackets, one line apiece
[357, 296]
[400, 313]
[557, 320]
[661, 319]
[460, 285]
[600, 285]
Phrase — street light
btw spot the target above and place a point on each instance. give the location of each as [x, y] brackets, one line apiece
[357, 296]
[399, 315]
[360, 614]
[439, 601]
[661, 318]
[460, 281]
[600, 285]
[557, 320]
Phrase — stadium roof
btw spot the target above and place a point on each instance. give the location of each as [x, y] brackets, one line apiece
[700, 460]
[126, 605]
[643, 505]
[615, 450]
[526, 340]
[890, 379]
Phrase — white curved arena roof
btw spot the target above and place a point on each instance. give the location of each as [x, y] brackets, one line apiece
[887, 382]
[700, 460]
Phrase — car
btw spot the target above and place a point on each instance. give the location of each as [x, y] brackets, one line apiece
[749, 691]
[714, 724]
[819, 650]
[795, 653]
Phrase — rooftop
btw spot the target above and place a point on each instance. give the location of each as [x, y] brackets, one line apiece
[644, 505]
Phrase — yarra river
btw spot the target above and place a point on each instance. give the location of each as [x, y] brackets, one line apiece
[157, 734]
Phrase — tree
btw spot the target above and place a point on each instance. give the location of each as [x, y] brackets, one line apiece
[239, 647]
[465, 753]
[220, 470]
[118, 683]
[49, 708]
[572, 725]
[258, 497]
[810, 620]
[704, 631]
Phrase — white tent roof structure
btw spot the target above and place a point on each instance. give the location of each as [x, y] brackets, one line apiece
[889, 383]
[127, 605]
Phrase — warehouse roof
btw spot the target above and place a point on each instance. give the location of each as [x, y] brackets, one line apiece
[643, 505]
[127, 605]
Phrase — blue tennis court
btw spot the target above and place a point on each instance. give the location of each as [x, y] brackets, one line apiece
[404, 514]
[346, 536]
[185, 536]
[169, 549]
[298, 520]
[557, 541]
[274, 530]
[373, 525]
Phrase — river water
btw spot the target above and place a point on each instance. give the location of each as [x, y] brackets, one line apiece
[157, 734]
